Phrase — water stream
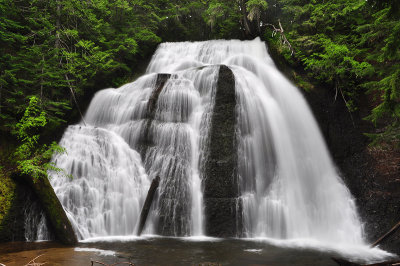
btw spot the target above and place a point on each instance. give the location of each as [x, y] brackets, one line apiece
[288, 185]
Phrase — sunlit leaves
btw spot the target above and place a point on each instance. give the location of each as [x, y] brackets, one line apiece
[32, 157]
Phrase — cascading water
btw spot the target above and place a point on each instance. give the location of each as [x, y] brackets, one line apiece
[123, 141]
[289, 186]
[153, 127]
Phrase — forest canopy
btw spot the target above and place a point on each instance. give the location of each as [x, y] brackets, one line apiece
[61, 52]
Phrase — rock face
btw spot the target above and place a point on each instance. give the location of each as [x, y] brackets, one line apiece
[371, 174]
[222, 209]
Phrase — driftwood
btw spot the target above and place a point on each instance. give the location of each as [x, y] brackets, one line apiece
[118, 263]
[147, 204]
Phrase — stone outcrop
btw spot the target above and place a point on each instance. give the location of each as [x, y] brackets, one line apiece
[222, 208]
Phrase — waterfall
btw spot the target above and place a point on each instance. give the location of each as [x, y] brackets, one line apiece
[160, 124]
[289, 186]
[35, 223]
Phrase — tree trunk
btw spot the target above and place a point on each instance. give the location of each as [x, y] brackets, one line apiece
[244, 18]
[147, 204]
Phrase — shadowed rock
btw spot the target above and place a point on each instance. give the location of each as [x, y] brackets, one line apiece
[222, 208]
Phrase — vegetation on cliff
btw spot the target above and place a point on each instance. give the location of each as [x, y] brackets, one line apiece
[55, 54]
[353, 47]
[61, 50]
[7, 190]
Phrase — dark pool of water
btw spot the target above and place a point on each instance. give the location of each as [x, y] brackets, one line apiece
[164, 251]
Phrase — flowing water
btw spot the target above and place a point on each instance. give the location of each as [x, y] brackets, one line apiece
[288, 185]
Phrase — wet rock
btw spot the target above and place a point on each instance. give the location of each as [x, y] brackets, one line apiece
[371, 174]
[220, 181]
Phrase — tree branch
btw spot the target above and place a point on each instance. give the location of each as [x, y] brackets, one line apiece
[283, 38]
[74, 98]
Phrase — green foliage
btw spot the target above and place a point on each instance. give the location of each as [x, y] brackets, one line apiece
[224, 18]
[33, 158]
[48, 48]
[255, 8]
[336, 65]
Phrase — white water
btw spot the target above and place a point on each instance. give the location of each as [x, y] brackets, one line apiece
[110, 183]
[289, 186]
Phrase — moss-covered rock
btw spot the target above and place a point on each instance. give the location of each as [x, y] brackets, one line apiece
[16, 198]
[11, 216]
[7, 195]
[52, 207]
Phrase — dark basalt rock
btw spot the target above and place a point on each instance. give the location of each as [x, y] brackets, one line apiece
[55, 214]
[220, 181]
[223, 217]
[377, 193]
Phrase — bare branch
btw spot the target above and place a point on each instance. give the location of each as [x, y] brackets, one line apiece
[33, 263]
[74, 98]
[283, 38]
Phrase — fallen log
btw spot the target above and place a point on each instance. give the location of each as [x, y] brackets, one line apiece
[385, 236]
[147, 204]
[343, 262]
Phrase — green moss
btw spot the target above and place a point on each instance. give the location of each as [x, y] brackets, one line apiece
[7, 194]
